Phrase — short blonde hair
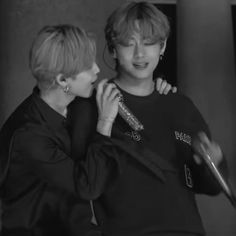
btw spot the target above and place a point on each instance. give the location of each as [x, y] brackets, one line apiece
[122, 23]
[60, 49]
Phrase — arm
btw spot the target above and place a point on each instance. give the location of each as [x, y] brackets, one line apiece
[86, 116]
[44, 157]
[202, 146]
[92, 149]
[100, 168]
[203, 179]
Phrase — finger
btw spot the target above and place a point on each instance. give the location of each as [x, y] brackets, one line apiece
[158, 84]
[197, 159]
[102, 82]
[216, 154]
[163, 85]
[116, 100]
[198, 146]
[100, 87]
[167, 89]
[204, 140]
[174, 89]
[108, 88]
[114, 94]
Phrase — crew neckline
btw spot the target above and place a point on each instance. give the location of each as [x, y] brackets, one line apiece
[125, 93]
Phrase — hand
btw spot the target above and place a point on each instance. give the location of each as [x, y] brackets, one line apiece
[107, 102]
[163, 87]
[203, 145]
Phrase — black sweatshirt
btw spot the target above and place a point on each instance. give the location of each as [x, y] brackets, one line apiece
[38, 180]
[154, 190]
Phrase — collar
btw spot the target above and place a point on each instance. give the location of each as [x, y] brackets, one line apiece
[52, 117]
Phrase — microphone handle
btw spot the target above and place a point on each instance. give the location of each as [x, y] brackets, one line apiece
[128, 116]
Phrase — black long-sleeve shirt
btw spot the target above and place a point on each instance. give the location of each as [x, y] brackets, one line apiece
[39, 179]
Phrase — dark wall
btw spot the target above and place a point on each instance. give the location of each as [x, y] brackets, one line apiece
[234, 27]
[167, 66]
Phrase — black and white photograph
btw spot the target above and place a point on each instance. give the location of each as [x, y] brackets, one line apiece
[118, 118]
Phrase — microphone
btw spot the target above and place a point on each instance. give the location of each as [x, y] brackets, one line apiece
[128, 116]
[214, 171]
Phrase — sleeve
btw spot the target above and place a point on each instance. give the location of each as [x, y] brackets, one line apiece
[87, 177]
[100, 169]
[204, 181]
[82, 119]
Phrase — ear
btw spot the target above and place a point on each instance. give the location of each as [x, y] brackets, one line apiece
[61, 80]
[163, 47]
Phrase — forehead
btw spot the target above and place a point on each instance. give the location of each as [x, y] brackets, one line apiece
[136, 30]
[136, 36]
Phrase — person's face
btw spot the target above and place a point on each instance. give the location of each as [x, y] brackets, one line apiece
[138, 57]
[83, 83]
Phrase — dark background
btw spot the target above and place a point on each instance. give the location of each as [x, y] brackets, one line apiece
[167, 66]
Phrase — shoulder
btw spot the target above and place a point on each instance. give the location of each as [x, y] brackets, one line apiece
[186, 105]
[178, 98]
[177, 102]
[185, 113]
[181, 107]
[19, 112]
[17, 119]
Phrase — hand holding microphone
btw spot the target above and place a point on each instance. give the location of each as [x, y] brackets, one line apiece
[107, 102]
[202, 146]
[110, 102]
[210, 154]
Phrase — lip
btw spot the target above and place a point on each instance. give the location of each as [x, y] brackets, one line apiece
[95, 79]
[140, 65]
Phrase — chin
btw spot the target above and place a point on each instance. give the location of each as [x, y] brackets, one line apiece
[89, 94]
[86, 95]
[143, 76]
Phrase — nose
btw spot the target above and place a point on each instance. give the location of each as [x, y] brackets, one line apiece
[96, 69]
[139, 51]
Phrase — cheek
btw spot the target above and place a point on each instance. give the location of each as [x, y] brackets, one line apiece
[81, 86]
[82, 89]
[154, 55]
[86, 84]
[84, 81]
[154, 51]
[124, 58]
[126, 52]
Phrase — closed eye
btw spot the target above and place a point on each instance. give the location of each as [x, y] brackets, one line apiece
[128, 43]
[149, 42]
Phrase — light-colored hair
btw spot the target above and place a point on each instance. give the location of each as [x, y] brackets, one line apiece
[122, 24]
[60, 49]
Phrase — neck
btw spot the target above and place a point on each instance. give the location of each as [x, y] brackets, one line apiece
[57, 100]
[139, 87]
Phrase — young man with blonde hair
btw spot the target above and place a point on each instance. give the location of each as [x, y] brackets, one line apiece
[150, 182]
